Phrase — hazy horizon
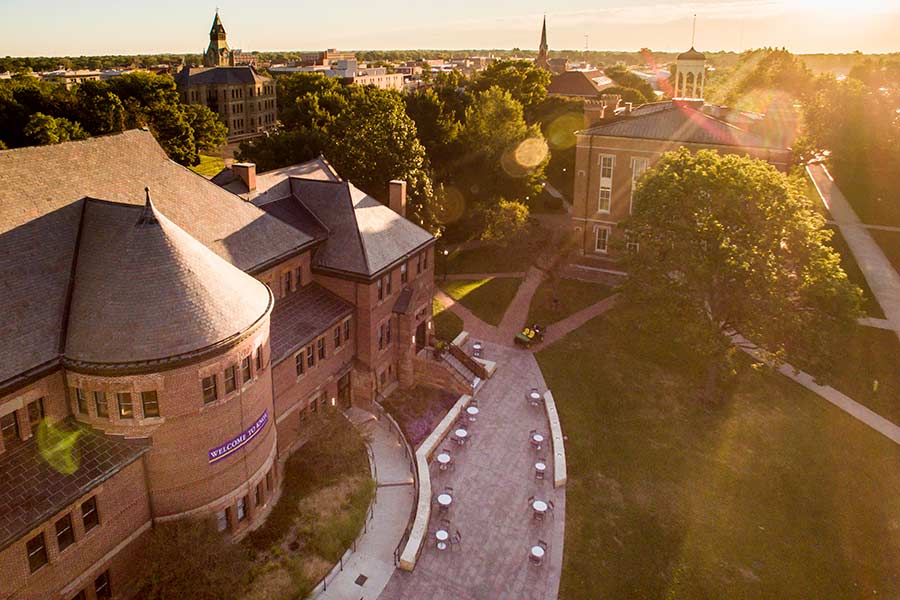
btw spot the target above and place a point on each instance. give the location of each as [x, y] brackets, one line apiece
[91, 27]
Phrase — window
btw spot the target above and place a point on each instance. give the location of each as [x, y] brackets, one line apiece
[150, 403]
[79, 596]
[380, 286]
[126, 408]
[310, 357]
[259, 494]
[101, 404]
[387, 332]
[101, 586]
[631, 243]
[90, 518]
[10, 428]
[298, 276]
[322, 400]
[81, 401]
[425, 260]
[222, 520]
[347, 330]
[65, 535]
[601, 241]
[604, 200]
[313, 406]
[388, 284]
[35, 413]
[37, 552]
[302, 413]
[320, 344]
[270, 479]
[606, 172]
[209, 389]
[298, 363]
[246, 375]
[259, 363]
[242, 508]
[337, 337]
[606, 166]
[230, 379]
[638, 166]
[404, 273]
[418, 264]
[287, 282]
[381, 337]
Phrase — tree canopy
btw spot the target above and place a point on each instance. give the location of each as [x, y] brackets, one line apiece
[626, 79]
[526, 83]
[100, 107]
[729, 244]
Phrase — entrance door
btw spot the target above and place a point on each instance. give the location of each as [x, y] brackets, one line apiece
[420, 336]
[344, 390]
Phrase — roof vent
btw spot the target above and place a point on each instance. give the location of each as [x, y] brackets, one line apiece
[148, 215]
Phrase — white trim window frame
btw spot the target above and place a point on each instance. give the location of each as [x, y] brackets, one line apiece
[639, 164]
[631, 243]
[604, 247]
[607, 163]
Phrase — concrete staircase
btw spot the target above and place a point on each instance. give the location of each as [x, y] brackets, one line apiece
[463, 374]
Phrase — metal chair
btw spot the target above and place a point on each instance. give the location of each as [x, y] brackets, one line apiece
[455, 539]
[538, 560]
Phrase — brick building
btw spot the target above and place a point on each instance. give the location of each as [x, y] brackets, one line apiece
[619, 143]
[163, 352]
[244, 100]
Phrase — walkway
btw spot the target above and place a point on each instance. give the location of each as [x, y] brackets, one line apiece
[881, 276]
[517, 312]
[493, 478]
[374, 556]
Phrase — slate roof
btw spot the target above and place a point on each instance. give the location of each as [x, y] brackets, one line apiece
[361, 236]
[318, 168]
[189, 76]
[679, 122]
[299, 317]
[573, 83]
[32, 490]
[164, 293]
[42, 191]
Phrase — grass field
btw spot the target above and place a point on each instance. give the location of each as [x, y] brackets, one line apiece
[773, 493]
[446, 324]
[209, 165]
[493, 258]
[889, 241]
[555, 300]
[486, 298]
[855, 274]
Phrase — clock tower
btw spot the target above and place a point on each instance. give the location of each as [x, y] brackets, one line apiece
[218, 54]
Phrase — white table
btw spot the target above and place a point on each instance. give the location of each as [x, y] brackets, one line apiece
[461, 433]
[537, 438]
[445, 499]
[534, 396]
[537, 552]
[539, 466]
[443, 458]
[477, 346]
[539, 506]
[473, 412]
[442, 536]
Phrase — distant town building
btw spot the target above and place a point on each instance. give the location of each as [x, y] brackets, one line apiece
[70, 78]
[543, 58]
[578, 84]
[350, 72]
[243, 99]
[558, 65]
[326, 58]
[619, 143]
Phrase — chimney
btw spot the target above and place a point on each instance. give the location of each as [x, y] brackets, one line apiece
[628, 107]
[398, 197]
[247, 173]
[593, 113]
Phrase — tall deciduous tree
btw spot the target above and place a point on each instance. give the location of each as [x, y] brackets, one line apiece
[43, 129]
[728, 244]
[526, 83]
[626, 79]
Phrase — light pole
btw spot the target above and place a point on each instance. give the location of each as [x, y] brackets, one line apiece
[445, 252]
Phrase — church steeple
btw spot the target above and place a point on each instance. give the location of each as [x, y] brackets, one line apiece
[218, 54]
[543, 58]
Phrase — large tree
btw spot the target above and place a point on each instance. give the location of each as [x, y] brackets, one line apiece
[624, 78]
[729, 244]
[526, 83]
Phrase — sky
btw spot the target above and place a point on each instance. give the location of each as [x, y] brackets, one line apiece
[93, 27]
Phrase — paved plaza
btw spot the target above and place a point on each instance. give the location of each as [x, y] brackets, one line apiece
[492, 481]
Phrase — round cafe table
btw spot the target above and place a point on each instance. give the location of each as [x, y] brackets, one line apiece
[477, 346]
[443, 458]
[534, 396]
[538, 438]
[445, 499]
[473, 412]
[539, 506]
[461, 433]
[537, 552]
[442, 537]
[539, 466]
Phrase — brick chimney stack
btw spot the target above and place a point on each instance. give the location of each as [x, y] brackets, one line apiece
[398, 197]
[247, 173]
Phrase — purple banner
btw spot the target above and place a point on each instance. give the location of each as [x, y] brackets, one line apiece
[231, 446]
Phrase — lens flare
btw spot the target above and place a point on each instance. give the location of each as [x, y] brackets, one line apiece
[57, 447]
[561, 132]
[449, 205]
[525, 157]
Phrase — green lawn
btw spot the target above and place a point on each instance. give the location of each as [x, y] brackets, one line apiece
[446, 324]
[486, 298]
[209, 165]
[870, 355]
[873, 196]
[890, 245]
[493, 258]
[773, 494]
[854, 273]
[555, 300]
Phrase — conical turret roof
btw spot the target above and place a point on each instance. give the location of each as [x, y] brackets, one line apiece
[144, 291]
